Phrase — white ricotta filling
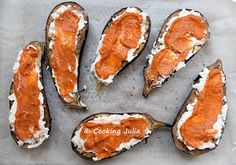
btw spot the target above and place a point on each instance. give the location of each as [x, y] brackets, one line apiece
[115, 119]
[42, 134]
[219, 124]
[204, 75]
[157, 49]
[51, 32]
[131, 52]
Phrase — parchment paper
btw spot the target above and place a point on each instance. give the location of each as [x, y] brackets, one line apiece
[24, 20]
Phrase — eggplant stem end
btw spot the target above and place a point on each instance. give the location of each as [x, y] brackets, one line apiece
[146, 92]
[159, 124]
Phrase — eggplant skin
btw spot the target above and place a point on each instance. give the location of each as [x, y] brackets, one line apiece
[89, 155]
[147, 87]
[179, 144]
[47, 116]
[139, 51]
[79, 48]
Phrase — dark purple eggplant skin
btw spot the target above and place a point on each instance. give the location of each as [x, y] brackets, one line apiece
[126, 64]
[147, 83]
[47, 115]
[179, 144]
[79, 55]
[153, 124]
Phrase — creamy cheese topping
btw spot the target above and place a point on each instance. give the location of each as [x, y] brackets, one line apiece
[161, 44]
[131, 52]
[42, 134]
[51, 31]
[219, 124]
[115, 119]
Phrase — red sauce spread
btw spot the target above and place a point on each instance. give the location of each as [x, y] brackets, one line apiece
[122, 35]
[178, 44]
[26, 91]
[199, 127]
[105, 144]
[63, 60]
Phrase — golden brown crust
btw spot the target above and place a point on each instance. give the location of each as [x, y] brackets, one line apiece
[47, 118]
[79, 48]
[179, 144]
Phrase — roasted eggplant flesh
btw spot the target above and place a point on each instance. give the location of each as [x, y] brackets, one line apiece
[199, 126]
[123, 38]
[182, 35]
[29, 115]
[66, 31]
[106, 135]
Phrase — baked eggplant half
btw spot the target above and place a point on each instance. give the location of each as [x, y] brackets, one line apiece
[122, 41]
[199, 126]
[65, 35]
[105, 135]
[183, 34]
[29, 115]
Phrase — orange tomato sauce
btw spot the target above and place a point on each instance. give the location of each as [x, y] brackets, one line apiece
[105, 144]
[177, 45]
[26, 91]
[122, 35]
[64, 60]
[199, 127]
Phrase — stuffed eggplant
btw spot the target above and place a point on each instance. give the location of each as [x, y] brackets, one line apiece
[183, 34]
[200, 123]
[66, 32]
[105, 135]
[29, 115]
[122, 41]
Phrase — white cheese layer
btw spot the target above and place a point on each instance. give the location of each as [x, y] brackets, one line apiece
[158, 47]
[115, 119]
[131, 52]
[219, 124]
[42, 134]
[51, 31]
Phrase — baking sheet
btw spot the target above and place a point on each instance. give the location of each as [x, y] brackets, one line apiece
[24, 20]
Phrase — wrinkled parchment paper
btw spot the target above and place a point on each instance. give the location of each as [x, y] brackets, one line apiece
[24, 20]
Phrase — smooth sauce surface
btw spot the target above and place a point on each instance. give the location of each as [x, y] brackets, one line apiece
[104, 144]
[27, 92]
[199, 127]
[63, 60]
[178, 43]
[123, 35]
